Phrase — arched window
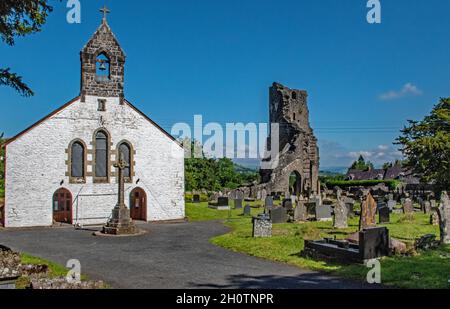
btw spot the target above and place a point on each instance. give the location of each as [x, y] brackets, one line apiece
[102, 68]
[77, 160]
[101, 156]
[125, 151]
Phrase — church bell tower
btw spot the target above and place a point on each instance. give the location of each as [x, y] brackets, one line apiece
[102, 64]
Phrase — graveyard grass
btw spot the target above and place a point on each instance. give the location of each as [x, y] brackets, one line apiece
[421, 270]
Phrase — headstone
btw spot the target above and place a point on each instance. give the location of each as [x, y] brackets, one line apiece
[222, 201]
[301, 212]
[268, 204]
[368, 212]
[433, 204]
[340, 212]
[287, 204]
[238, 203]
[278, 215]
[324, 213]
[427, 207]
[444, 218]
[408, 207]
[196, 199]
[434, 217]
[247, 210]
[384, 215]
[262, 227]
[258, 195]
[263, 194]
[374, 243]
[391, 205]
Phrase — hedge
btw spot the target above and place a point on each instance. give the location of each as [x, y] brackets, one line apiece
[392, 184]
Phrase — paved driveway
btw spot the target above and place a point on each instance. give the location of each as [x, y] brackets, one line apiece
[169, 256]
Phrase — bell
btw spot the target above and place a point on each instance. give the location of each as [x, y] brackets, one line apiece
[102, 66]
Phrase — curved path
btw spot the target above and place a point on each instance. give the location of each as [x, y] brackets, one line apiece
[168, 256]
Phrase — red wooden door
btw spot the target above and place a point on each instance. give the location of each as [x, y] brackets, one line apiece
[62, 206]
[138, 205]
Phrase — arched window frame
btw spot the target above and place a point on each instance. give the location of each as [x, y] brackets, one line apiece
[132, 163]
[73, 179]
[100, 179]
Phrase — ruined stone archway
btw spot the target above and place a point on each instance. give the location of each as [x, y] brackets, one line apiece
[295, 183]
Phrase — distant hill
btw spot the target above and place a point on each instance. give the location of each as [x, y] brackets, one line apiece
[334, 170]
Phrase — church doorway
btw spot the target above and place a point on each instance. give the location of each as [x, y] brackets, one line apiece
[295, 183]
[138, 204]
[62, 206]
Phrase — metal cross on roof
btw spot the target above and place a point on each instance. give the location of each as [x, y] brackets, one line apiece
[105, 11]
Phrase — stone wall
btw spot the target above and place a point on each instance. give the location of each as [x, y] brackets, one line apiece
[36, 166]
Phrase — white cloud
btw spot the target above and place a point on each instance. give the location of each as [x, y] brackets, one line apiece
[408, 90]
[333, 154]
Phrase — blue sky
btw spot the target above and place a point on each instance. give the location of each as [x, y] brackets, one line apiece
[218, 58]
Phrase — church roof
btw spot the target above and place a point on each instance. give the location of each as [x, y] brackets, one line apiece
[9, 141]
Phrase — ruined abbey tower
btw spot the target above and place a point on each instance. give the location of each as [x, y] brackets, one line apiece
[298, 169]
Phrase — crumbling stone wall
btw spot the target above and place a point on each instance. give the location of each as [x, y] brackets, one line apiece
[298, 145]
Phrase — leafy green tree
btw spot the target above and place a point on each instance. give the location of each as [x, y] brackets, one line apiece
[361, 164]
[2, 165]
[426, 146]
[20, 18]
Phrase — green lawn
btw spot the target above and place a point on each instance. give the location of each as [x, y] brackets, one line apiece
[423, 270]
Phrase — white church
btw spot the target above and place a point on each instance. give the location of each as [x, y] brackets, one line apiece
[61, 169]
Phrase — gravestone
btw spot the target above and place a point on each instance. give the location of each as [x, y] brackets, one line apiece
[384, 215]
[340, 212]
[287, 204]
[324, 213]
[433, 204]
[238, 203]
[408, 207]
[268, 203]
[258, 196]
[196, 199]
[434, 217]
[374, 243]
[262, 227]
[263, 194]
[368, 212]
[278, 215]
[391, 204]
[222, 201]
[426, 207]
[301, 212]
[247, 210]
[444, 218]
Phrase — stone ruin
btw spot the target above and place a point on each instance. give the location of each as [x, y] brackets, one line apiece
[299, 154]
